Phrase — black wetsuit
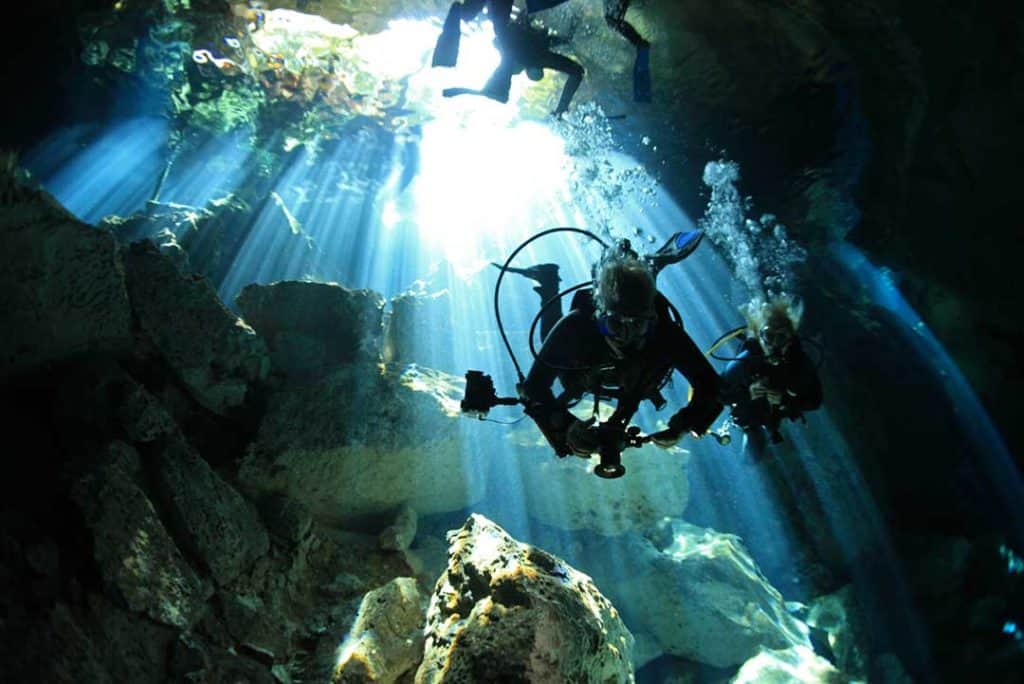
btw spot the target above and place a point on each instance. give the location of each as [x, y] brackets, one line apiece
[795, 376]
[577, 353]
[524, 47]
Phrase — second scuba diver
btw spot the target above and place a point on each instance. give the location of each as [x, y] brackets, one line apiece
[772, 378]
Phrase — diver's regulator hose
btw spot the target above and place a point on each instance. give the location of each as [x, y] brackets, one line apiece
[497, 286]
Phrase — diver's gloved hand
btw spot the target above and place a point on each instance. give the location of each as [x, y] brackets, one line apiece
[583, 437]
[761, 389]
[666, 439]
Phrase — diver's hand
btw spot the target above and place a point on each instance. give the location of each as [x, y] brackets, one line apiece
[760, 389]
[583, 437]
[666, 439]
[757, 389]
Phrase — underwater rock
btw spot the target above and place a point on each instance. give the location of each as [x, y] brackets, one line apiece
[507, 611]
[702, 598]
[427, 558]
[564, 492]
[287, 520]
[136, 555]
[386, 640]
[143, 417]
[795, 665]
[412, 334]
[131, 647]
[63, 650]
[321, 594]
[840, 616]
[256, 626]
[313, 327]
[400, 534]
[62, 283]
[221, 527]
[214, 353]
[362, 442]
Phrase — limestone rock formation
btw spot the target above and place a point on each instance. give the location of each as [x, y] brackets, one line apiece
[63, 284]
[797, 665]
[507, 611]
[216, 355]
[399, 535]
[702, 597]
[409, 335]
[133, 549]
[313, 327]
[386, 640]
[842, 620]
[363, 442]
[220, 527]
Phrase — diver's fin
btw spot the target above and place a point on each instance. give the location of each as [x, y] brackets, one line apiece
[446, 51]
[642, 74]
[678, 247]
[545, 274]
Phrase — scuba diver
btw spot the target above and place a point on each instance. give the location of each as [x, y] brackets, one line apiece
[772, 378]
[615, 16]
[446, 50]
[619, 341]
[526, 47]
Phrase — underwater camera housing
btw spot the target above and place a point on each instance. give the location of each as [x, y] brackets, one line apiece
[480, 396]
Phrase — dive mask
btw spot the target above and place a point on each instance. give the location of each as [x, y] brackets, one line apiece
[624, 329]
[774, 340]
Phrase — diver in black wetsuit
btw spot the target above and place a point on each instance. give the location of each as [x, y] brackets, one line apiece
[526, 47]
[772, 378]
[615, 17]
[618, 342]
[446, 51]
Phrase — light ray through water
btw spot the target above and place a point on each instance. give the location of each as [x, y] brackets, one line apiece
[485, 182]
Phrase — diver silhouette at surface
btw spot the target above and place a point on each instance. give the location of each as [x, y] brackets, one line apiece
[446, 51]
[525, 47]
[772, 378]
[618, 341]
[615, 16]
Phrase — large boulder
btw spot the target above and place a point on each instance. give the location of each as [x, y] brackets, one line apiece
[362, 443]
[511, 612]
[796, 665]
[136, 555]
[213, 352]
[386, 640]
[219, 526]
[702, 597]
[313, 327]
[843, 621]
[62, 283]
[417, 330]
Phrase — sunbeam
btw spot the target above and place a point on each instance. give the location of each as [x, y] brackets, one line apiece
[304, 151]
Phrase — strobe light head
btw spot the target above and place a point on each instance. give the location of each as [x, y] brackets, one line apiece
[480, 396]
